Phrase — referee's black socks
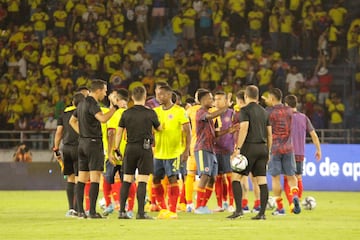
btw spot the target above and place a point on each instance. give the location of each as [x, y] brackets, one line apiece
[264, 195]
[141, 193]
[93, 195]
[70, 194]
[124, 192]
[80, 196]
[236, 185]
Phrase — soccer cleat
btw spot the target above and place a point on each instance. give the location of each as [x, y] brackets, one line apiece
[82, 215]
[108, 210]
[246, 209]
[123, 215]
[231, 209]
[181, 207]
[189, 207]
[218, 209]
[255, 209]
[202, 210]
[297, 208]
[163, 213]
[95, 216]
[235, 215]
[71, 213]
[130, 214]
[259, 217]
[154, 208]
[144, 216]
[171, 215]
[225, 205]
[279, 212]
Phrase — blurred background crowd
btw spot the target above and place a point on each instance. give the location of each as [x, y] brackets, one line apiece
[50, 48]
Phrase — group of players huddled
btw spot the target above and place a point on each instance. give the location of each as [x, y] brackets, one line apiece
[199, 137]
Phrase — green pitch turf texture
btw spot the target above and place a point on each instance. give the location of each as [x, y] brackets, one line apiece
[40, 215]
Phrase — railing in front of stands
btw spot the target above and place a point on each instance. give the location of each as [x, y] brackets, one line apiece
[41, 140]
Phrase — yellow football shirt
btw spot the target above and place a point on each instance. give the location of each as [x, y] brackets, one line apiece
[104, 134]
[113, 123]
[168, 142]
[191, 112]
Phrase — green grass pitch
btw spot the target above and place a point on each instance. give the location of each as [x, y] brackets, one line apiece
[40, 215]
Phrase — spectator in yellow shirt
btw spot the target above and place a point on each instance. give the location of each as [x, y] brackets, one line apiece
[255, 18]
[39, 18]
[60, 17]
[93, 59]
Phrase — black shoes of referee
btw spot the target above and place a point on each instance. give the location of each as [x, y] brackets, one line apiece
[259, 217]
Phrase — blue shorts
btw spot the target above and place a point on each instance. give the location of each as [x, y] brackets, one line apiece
[223, 163]
[168, 167]
[282, 164]
[110, 172]
[206, 163]
[182, 168]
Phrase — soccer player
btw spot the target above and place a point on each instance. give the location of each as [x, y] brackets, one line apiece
[224, 147]
[300, 125]
[204, 149]
[86, 121]
[138, 152]
[69, 137]
[169, 149]
[191, 162]
[282, 160]
[254, 142]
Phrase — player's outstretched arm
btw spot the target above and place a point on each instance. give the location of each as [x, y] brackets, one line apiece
[316, 141]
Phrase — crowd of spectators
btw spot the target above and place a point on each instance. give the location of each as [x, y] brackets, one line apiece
[48, 49]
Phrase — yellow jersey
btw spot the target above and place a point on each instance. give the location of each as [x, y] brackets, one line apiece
[191, 112]
[113, 123]
[104, 134]
[168, 142]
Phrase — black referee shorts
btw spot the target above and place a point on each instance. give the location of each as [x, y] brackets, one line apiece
[91, 154]
[70, 154]
[136, 157]
[257, 155]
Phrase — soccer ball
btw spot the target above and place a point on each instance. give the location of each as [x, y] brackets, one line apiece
[239, 163]
[271, 203]
[309, 203]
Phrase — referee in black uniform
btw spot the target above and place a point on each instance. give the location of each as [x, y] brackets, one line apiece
[138, 122]
[254, 142]
[86, 121]
[70, 151]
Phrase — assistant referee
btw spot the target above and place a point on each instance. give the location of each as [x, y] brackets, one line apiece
[254, 142]
[86, 121]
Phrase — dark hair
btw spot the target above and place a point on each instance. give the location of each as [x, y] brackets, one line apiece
[161, 84]
[240, 95]
[276, 92]
[166, 88]
[123, 94]
[82, 88]
[138, 93]
[190, 100]
[77, 98]
[291, 100]
[202, 94]
[219, 92]
[252, 92]
[97, 84]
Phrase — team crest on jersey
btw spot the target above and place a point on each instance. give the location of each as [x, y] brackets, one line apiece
[170, 116]
[227, 119]
[207, 169]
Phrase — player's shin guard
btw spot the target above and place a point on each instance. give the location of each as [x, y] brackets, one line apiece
[189, 188]
[80, 196]
[93, 194]
[287, 190]
[230, 190]
[70, 194]
[131, 197]
[219, 190]
[107, 192]
[173, 193]
[124, 192]
[159, 192]
[236, 185]
[264, 196]
[141, 193]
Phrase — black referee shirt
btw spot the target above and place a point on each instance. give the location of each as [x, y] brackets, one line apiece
[138, 122]
[258, 120]
[89, 126]
[70, 137]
